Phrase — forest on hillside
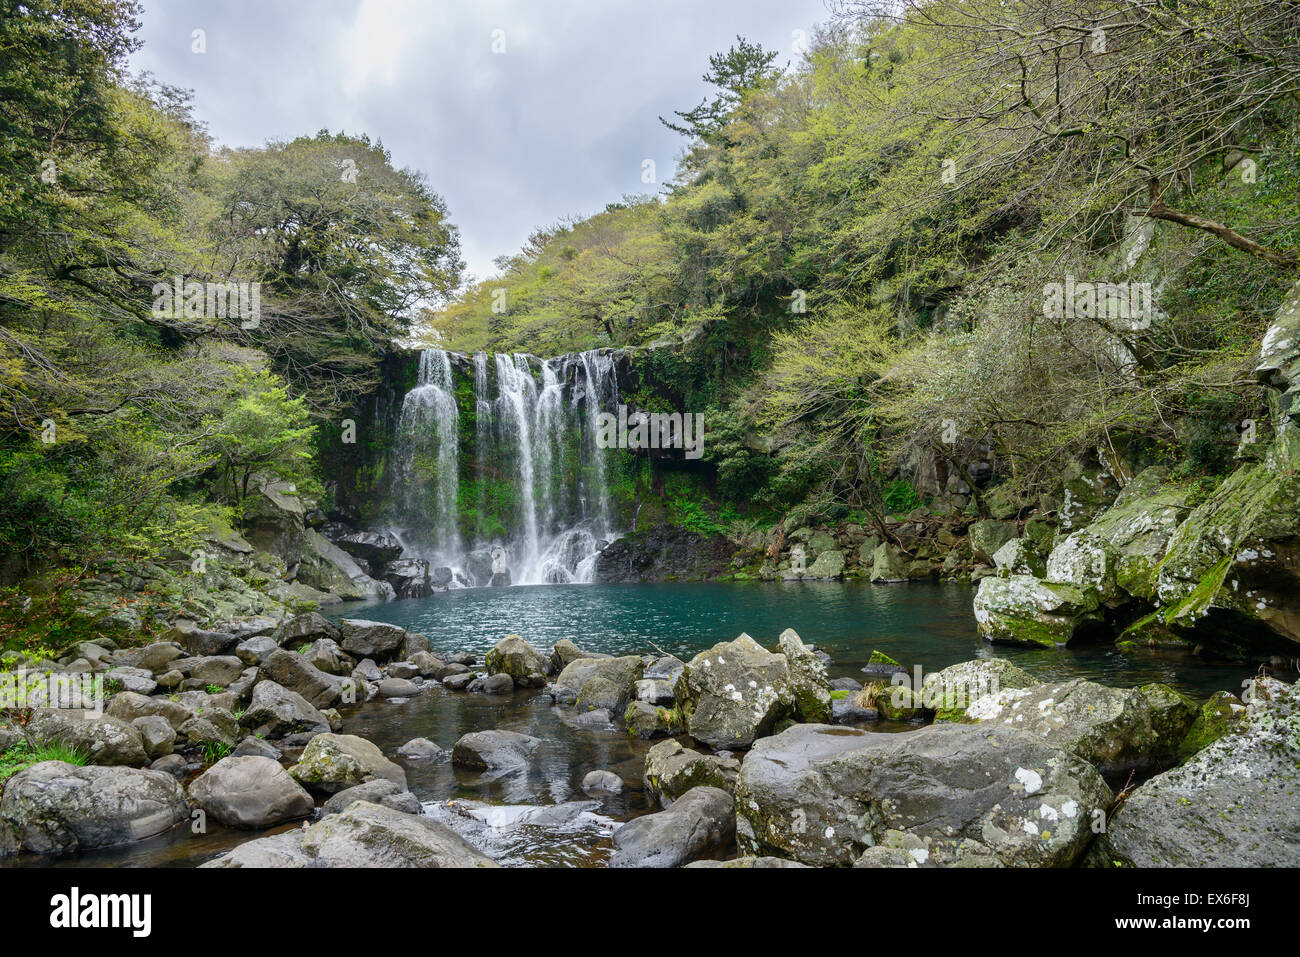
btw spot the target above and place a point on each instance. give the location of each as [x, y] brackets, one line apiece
[854, 255]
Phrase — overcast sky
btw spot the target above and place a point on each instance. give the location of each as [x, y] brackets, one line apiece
[560, 123]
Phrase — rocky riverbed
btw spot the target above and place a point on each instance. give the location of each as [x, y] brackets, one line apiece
[741, 756]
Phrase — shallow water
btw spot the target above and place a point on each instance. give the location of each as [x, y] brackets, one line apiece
[920, 624]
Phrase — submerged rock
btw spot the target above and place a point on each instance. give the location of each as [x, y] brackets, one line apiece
[823, 795]
[495, 750]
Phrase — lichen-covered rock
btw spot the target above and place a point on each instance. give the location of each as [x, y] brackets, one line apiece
[702, 818]
[829, 564]
[734, 693]
[989, 535]
[521, 661]
[954, 689]
[887, 564]
[58, 808]
[1085, 561]
[671, 770]
[1232, 805]
[645, 721]
[812, 690]
[1222, 714]
[100, 739]
[250, 792]
[599, 683]
[1116, 729]
[1022, 610]
[1138, 528]
[1019, 557]
[968, 794]
[332, 762]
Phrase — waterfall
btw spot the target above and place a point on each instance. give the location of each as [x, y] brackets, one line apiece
[542, 506]
[427, 436]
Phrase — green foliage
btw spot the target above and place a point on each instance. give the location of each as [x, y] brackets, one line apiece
[23, 755]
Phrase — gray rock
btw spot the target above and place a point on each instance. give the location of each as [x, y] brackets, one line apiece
[58, 808]
[172, 764]
[398, 688]
[421, 751]
[521, 661]
[608, 683]
[946, 794]
[500, 683]
[700, 819]
[749, 863]
[495, 750]
[250, 792]
[1233, 804]
[212, 670]
[371, 639]
[205, 643]
[602, 782]
[369, 835]
[379, 791]
[276, 711]
[332, 762]
[367, 670]
[291, 670]
[253, 651]
[158, 736]
[278, 850]
[128, 706]
[671, 770]
[304, 629]
[101, 739]
[403, 669]
[137, 680]
[808, 683]
[734, 693]
[427, 666]
[254, 747]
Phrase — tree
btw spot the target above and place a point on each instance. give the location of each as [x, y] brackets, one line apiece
[745, 67]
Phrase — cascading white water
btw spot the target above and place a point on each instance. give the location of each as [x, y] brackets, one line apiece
[427, 429]
[537, 442]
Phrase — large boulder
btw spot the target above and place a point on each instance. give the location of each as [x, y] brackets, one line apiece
[371, 639]
[99, 738]
[304, 629]
[293, 671]
[521, 661]
[1022, 610]
[409, 578]
[954, 689]
[1116, 729]
[599, 683]
[888, 564]
[250, 792]
[375, 548]
[332, 762]
[495, 751]
[671, 770]
[734, 693]
[273, 518]
[965, 794]
[275, 711]
[58, 808]
[128, 706]
[365, 835]
[328, 568]
[378, 791]
[700, 819]
[808, 681]
[1232, 805]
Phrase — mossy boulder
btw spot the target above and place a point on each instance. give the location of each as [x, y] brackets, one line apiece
[332, 762]
[734, 693]
[521, 661]
[811, 688]
[1022, 610]
[671, 770]
[1222, 714]
[591, 683]
[951, 691]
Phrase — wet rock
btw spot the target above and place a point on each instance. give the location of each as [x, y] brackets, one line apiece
[370, 835]
[58, 808]
[1232, 805]
[701, 819]
[521, 661]
[427, 666]
[332, 762]
[495, 750]
[172, 764]
[379, 791]
[422, 751]
[457, 680]
[403, 669]
[602, 782]
[409, 577]
[278, 850]
[969, 794]
[646, 721]
[209, 643]
[492, 684]
[734, 693]
[664, 552]
[250, 792]
[671, 770]
[372, 547]
[398, 688]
